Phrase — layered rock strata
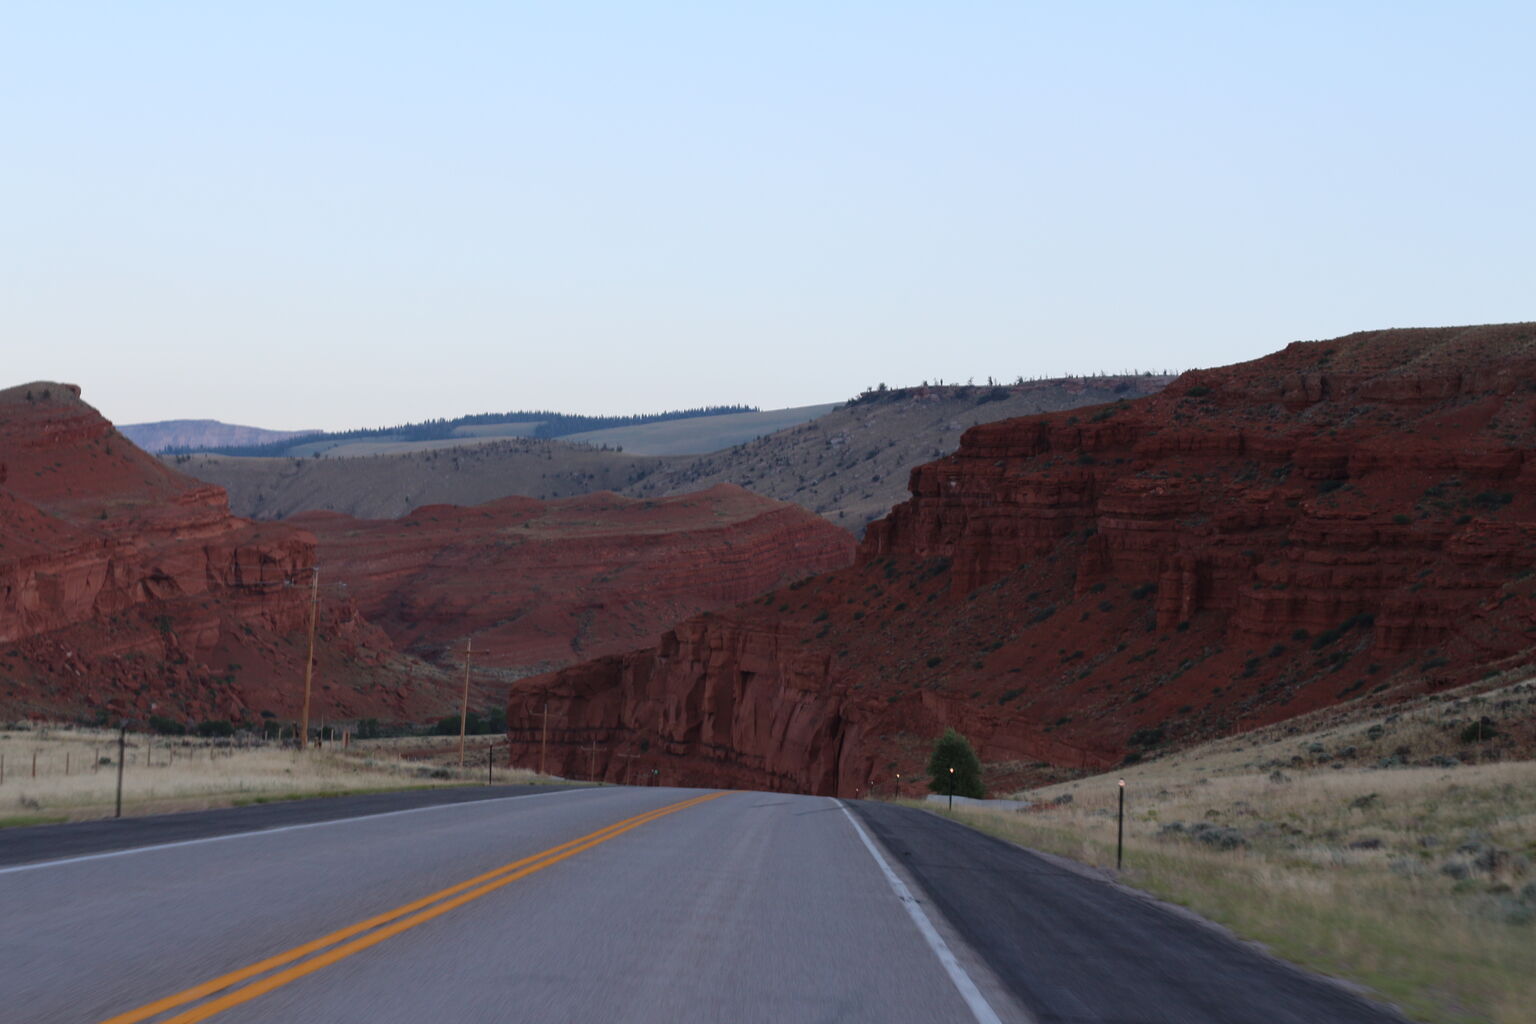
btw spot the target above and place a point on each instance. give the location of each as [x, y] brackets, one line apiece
[1343, 520]
[127, 588]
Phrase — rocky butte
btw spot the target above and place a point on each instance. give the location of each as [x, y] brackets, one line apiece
[1345, 520]
[538, 585]
[126, 587]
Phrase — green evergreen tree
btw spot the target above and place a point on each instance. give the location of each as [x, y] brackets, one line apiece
[954, 751]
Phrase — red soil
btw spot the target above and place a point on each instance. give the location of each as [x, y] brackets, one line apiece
[1342, 520]
[125, 584]
[540, 584]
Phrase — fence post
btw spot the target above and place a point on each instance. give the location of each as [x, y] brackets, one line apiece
[122, 746]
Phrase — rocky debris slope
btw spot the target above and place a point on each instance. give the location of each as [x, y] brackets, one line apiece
[539, 585]
[125, 585]
[1343, 520]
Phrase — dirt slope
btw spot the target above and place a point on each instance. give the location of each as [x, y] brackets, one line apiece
[1353, 519]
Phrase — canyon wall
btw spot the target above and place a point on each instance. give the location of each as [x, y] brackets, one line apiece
[1343, 520]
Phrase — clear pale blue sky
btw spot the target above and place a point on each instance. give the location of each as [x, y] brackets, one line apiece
[343, 214]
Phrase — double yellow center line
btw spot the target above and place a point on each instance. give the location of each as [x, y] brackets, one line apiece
[360, 936]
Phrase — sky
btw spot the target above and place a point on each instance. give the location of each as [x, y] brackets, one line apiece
[331, 215]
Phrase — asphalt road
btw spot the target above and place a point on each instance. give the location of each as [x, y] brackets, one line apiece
[614, 904]
[56, 842]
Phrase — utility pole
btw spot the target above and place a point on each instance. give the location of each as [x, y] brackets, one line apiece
[309, 662]
[544, 737]
[591, 761]
[629, 766]
[464, 711]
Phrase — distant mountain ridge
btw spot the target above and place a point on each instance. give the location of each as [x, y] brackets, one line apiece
[187, 435]
[541, 424]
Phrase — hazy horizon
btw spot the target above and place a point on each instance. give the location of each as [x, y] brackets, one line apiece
[343, 215]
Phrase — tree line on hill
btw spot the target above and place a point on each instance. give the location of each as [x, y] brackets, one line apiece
[550, 425]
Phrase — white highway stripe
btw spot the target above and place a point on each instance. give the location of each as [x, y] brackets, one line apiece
[280, 828]
[974, 1000]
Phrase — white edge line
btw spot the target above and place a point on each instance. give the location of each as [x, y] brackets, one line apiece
[974, 1000]
[272, 831]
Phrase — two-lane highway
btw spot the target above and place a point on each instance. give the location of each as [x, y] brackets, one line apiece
[604, 905]
[583, 905]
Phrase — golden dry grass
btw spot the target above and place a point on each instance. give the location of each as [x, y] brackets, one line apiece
[1417, 882]
[77, 772]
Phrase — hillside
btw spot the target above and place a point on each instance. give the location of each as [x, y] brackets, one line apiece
[388, 486]
[126, 586]
[164, 434]
[1343, 520]
[848, 465]
[404, 437]
[538, 585]
[851, 465]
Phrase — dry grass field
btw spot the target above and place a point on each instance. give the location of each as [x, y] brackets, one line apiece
[76, 772]
[1338, 848]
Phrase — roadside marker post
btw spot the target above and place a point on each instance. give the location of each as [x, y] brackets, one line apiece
[951, 789]
[1120, 830]
[490, 762]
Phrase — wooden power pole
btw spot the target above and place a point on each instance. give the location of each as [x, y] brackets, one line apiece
[591, 760]
[544, 737]
[464, 711]
[629, 766]
[309, 662]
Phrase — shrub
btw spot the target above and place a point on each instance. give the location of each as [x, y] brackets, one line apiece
[953, 750]
[166, 726]
[1477, 732]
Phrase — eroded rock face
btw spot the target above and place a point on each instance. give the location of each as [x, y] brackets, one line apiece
[1352, 519]
[539, 585]
[124, 584]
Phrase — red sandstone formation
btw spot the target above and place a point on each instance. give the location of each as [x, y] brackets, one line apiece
[1343, 520]
[540, 584]
[124, 583]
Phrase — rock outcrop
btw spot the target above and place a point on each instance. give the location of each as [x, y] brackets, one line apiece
[539, 585]
[125, 585]
[1343, 520]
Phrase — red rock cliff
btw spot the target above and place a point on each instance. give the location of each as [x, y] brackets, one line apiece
[1352, 519]
[124, 583]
